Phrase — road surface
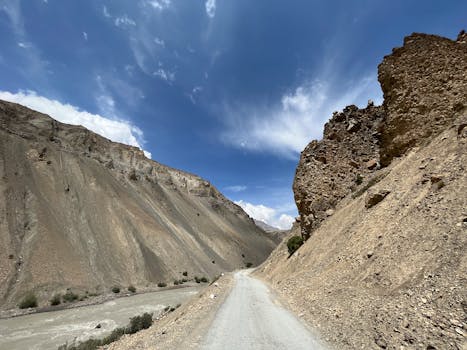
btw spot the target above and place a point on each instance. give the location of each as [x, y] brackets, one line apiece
[48, 330]
[251, 318]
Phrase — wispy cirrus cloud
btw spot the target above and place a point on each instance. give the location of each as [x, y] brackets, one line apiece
[159, 4]
[118, 130]
[164, 74]
[286, 127]
[210, 6]
[235, 188]
[35, 65]
[124, 21]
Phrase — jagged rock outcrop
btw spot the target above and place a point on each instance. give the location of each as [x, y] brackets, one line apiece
[425, 89]
[387, 270]
[335, 166]
[79, 211]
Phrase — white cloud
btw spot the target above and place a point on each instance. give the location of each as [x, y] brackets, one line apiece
[210, 8]
[159, 4]
[24, 45]
[235, 188]
[124, 21]
[159, 41]
[106, 12]
[85, 36]
[268, 215]
[116, 130]
[165, 75]
[287, 127]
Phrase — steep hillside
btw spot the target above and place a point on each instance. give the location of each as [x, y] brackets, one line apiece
[385, 262]
[79, 211]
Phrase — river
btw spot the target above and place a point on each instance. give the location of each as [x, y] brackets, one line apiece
[48, 330]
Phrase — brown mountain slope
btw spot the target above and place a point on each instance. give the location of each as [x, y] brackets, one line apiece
[79, 211]
[385, 264]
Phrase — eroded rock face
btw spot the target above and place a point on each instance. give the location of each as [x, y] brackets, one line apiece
[425, 89]
[79, 211]
[331, 168]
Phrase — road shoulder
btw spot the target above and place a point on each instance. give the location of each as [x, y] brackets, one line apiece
[186, 326]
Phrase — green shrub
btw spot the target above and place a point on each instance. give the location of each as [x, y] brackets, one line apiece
[116, 334]
[138, 323]
[162, 284]
[132, 289]
[294, 243]
[56, 300]
[28, 301]
[176, 283]
[69, 297]
[185, 273]
[248, 265]
[184, 280]
[197, 279]
[116, 289]
[358, 179]
[204, 279]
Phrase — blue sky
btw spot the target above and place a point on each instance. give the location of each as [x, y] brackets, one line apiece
[231, 90]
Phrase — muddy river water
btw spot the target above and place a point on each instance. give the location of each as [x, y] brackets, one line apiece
[48, 330]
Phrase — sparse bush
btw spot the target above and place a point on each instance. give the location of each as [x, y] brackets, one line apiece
[294, 243]
[116, 334]
[176, 283]
[184, 280]
[248, 265]
[373, 181]
[28, 301]
[138, 323]
[185, 273]
[69, 297]
[116, 289]
[162, 284]
[201, 279]
[132, 289]
[56, 300]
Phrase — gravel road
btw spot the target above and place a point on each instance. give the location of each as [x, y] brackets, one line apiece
[251, 318]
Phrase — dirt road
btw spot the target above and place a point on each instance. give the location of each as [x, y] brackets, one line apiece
[251, 318]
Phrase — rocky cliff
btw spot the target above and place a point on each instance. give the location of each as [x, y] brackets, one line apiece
[382, 201]
[79, 211]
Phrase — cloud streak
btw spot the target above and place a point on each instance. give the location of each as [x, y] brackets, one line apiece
[210, 6]
[235, 188]
[116, 130]
[288, 126]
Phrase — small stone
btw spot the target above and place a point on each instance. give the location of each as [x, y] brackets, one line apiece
[329, 212]
[460, 331]
[98, 326]
[375, 197]
[424, 301]
[371, 164]
[369, 254]
[381, 343]
[353, 125]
